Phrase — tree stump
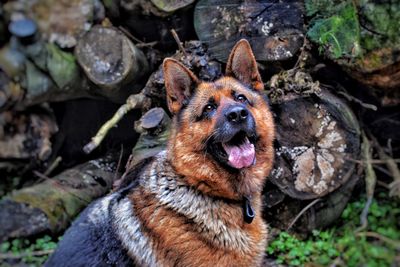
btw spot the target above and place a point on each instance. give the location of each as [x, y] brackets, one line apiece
[273, 28]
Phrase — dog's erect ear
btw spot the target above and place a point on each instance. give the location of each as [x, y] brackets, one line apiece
[242, 65]
[179, 82]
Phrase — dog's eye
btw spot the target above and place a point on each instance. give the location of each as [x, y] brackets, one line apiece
[209, 108]
[241, 98]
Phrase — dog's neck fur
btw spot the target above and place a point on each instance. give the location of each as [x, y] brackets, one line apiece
[176, 194]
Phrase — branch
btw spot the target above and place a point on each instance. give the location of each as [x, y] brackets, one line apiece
[133, 101]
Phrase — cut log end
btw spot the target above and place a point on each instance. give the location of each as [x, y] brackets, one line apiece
[274, 29]
[316, 140]
[109, 58]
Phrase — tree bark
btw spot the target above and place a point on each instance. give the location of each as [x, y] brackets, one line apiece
[53, 204]
[273, 28]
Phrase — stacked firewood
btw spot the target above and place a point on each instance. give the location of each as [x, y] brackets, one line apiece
[72, 71]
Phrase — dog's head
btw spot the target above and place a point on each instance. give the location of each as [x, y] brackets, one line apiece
[223, 132]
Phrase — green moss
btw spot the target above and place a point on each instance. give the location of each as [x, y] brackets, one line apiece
[338, 34]
[381, 24]
[352, 29]
[62, 66]
[58, 205]
[342, 243]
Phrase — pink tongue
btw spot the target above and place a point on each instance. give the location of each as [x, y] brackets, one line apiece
[241, 156]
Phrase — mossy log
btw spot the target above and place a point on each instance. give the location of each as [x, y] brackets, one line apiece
[273, 28]
[53, 204]
[362, 37]
[45, 73]
[154, 129]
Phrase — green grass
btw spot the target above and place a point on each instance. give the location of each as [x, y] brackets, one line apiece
[345, 244]
[32, 253]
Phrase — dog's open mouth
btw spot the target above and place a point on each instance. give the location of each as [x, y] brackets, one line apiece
[238, 152]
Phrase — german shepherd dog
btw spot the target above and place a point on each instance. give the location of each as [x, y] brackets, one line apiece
[199, 202]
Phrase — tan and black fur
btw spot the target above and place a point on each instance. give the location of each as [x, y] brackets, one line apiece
[186, 206]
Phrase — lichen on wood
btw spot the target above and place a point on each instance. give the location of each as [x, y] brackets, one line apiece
[273, 28]
[316, 133]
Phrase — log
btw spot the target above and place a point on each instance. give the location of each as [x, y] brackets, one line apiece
[273, 28]
[194, 56]
[361, 37]
[111, 61]
[171, 6]
[154, 128]
[26, 134]
[317, 145]
[54, 203]
[60, 22]
[318, 136]
[48, 73]
[149, 23]
[303, 216]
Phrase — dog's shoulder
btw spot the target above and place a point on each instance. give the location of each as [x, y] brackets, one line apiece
[91, 241]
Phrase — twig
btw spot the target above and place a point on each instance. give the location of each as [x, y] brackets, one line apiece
[358, 101]
[178, 41]
[385, 239]
[119, 163]
[11, 256]
[370, 181]
[149, 44]
[301, 57]
[392, 167]
[373, 161]
[382, 170]
[302, 212]
[383, 184]
[52, 166]
[133, 101]
[130, 36]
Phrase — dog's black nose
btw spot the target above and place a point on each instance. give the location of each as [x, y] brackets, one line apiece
[237, 114]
